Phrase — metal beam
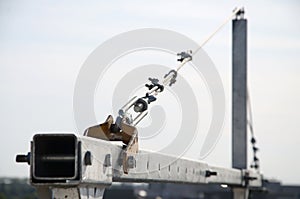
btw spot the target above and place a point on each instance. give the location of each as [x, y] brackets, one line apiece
[98, 163]
[239, 93]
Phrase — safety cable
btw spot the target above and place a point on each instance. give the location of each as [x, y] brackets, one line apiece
[234, 13]
[255, 162]
[155, 87]
[168, 78]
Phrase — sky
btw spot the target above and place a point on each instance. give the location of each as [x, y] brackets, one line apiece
[43, 46]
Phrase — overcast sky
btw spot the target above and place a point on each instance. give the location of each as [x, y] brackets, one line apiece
[43, 45]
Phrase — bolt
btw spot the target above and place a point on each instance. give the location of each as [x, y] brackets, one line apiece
[23, 158]
[209, 173]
